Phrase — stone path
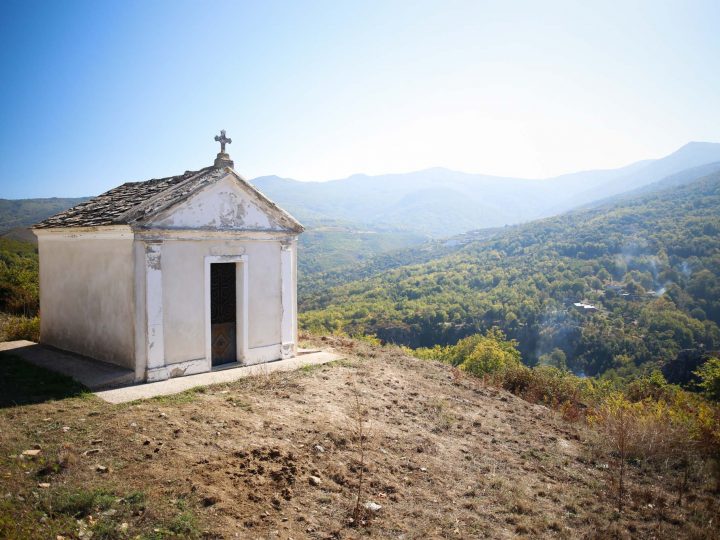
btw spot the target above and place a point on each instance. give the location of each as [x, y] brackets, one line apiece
[97, 375]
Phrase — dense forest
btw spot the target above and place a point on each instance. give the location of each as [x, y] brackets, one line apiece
[619, 289]
[328, 246]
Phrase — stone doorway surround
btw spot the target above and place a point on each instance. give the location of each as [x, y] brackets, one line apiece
[241, 305]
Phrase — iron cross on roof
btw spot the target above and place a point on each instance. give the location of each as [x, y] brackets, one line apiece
[222, 139]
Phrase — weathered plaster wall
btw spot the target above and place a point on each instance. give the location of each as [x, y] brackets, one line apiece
[222, 206]
[86, 295]
[225, 207]
[183, 269]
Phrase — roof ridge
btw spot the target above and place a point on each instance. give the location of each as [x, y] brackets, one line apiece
[132, 213]
[188, 171]
[137, 203]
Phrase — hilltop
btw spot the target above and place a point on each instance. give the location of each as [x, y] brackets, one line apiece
[445, 456]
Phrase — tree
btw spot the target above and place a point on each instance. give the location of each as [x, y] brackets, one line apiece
[555, 359]
[709, 374]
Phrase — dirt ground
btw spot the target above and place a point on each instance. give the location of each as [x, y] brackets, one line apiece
[279, 456]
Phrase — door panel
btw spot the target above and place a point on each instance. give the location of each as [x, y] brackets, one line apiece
[223, 310]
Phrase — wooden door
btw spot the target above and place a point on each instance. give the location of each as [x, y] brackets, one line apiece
[223, 313]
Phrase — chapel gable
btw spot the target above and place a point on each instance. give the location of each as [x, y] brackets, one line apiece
[226, 205]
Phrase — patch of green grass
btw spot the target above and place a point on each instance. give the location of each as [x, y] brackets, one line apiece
[66, 511]
[77, 503]
[18, 327]
[342, 362]
[184, 524]
[19, 523]
[22, 383]
[310, 368]
[135, 500]
[106, 529]
[188, 396]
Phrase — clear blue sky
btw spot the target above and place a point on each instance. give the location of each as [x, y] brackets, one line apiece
[97, 93]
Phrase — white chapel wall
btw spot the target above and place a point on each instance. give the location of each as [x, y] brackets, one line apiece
[183, 281]
[86, 295]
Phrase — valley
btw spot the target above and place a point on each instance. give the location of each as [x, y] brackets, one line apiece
[646, 259]
[649, 264]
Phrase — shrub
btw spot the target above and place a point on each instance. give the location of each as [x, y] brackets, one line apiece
[485, 354]
[709, 374]
[653, 387]
[15, 328]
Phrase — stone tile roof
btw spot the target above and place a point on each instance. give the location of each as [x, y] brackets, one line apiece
[131, 201]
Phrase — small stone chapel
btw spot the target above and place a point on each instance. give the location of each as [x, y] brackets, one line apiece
[172, 276]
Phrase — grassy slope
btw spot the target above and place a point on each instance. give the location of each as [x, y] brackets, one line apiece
[445, 456]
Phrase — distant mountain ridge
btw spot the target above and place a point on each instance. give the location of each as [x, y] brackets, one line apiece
[372, 264]
[441, 202]
[434, 202]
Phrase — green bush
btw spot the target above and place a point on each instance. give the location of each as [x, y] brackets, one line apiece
[479, 354]
[15, 328]
[709, 374]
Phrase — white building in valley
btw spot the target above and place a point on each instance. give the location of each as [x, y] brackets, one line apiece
[172, 276]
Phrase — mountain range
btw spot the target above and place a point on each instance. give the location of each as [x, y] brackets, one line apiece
[440, 202]
[353, 219]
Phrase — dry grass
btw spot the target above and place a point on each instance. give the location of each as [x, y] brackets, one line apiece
[447, 457]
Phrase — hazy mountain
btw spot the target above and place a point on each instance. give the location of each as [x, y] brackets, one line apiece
[20, 213]
[440, 202]
[682, 178]
[355, 218]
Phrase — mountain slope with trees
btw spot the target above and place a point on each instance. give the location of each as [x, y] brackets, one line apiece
[20, 213]
[617, 289]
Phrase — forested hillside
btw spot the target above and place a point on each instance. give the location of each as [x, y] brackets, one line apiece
[18, 277]
[331, 246]
[25, 212]
[614, 289]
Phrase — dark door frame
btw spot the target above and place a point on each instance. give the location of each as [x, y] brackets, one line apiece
[241, 291]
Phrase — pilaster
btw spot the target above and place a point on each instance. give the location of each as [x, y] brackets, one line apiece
[155, 369]
[287, 330]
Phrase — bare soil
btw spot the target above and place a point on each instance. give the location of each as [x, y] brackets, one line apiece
[444, 457]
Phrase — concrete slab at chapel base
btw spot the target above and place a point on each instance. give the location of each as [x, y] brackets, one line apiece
[180, 384]
[102, 378]
[91, 373]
